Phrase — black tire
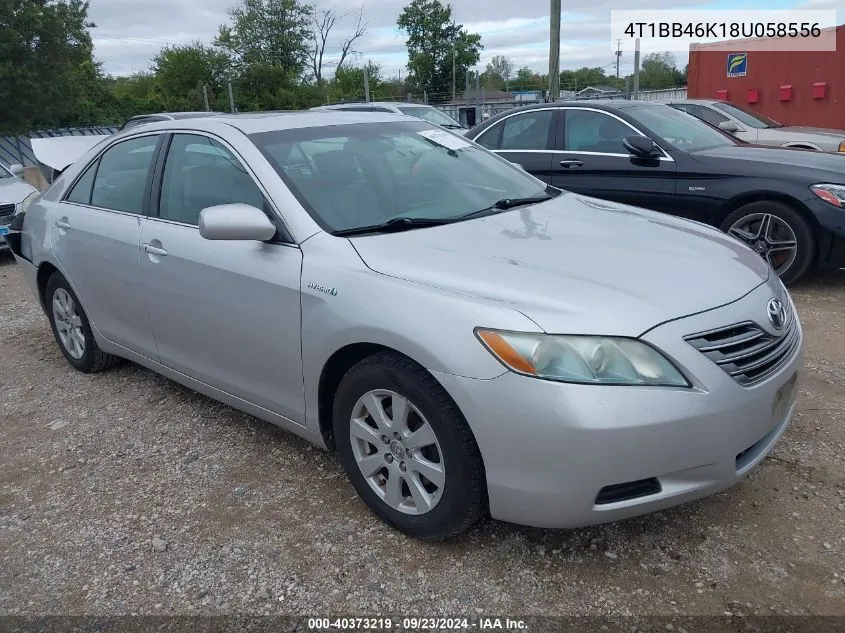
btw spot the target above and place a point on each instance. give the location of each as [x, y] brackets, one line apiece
[93, 358]
[464, 495]
[804, 233]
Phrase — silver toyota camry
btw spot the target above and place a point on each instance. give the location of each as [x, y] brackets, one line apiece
[466, 338]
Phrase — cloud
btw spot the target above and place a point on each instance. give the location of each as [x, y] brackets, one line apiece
[130, 33]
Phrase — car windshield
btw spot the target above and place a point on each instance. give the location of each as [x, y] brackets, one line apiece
[681, 130]
[746, 116]
[432, 115]
[367, 174]
[5, 173]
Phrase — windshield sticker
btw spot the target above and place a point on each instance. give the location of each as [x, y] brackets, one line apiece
[445, 139]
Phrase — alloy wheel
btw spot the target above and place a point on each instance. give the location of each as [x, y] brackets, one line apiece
[397, 452]
[770, 236]
[68, 323]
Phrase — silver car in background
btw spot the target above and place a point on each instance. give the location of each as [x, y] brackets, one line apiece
[418, 110]
[15, 196]
[753, 127]
[468, 339]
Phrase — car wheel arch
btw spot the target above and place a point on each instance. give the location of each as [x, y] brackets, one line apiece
[45, 271]
[802, 145]
[334, 369]
[761, 196]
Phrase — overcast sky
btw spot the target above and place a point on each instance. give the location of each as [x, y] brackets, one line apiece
[130, 32]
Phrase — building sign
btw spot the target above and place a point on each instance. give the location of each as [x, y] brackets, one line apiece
[737, 64]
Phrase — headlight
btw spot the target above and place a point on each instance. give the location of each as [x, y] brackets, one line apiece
[842, 147]
[832, 194]
[582, 359]
[23, 206]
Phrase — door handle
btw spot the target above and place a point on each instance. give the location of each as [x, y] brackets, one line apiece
[63, 224]
[571, 162]
[154, 250]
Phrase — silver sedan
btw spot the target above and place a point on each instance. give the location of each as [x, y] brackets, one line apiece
[753, 127]
[468, 339]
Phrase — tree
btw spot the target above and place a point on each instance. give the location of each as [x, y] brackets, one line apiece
[274, 33]
[498, 72]
[524, 76]
[323, 23]
[181, 72]
[348, 84]
[658, 71]
[46, 62]
[433, 39]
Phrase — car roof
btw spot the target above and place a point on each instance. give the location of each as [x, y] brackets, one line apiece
[256, 122]
[175, 115]
[395, 104]
[701, 101]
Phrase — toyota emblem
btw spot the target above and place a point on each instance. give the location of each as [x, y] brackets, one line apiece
[777, 313]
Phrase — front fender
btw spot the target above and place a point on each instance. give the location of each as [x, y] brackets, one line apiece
[349, 304]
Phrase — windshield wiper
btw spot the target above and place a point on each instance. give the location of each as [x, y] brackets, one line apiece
[394, 225]
[504, 204]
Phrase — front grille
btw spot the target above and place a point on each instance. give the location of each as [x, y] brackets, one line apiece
[746, 351]
[7, 209]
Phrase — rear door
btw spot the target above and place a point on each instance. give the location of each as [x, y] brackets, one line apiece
[592, 160]
[95, 238]
[526, 138]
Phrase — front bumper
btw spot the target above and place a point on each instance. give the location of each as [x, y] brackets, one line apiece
[832, 238]
[550, 449]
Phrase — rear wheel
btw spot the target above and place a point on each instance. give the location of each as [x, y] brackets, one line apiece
[778, 233]
[71, 328]
[407, 449]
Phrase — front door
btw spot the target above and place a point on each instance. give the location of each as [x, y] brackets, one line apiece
[95, 238]
[592, 160]
[226, 313]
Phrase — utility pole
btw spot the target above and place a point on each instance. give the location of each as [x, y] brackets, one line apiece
[205, 97]
[231, 99]
[454, 54]
[366, 84]
[554, 51]
[637, 69]
[618, 56]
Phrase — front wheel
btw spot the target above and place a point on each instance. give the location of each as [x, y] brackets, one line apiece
[778, 233]
[407, 449]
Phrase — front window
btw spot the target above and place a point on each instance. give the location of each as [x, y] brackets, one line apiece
[747, 116]
[366, 174]
[593, 131]
[679, 129]
[5, 173]
[198, 173]
[432, 115]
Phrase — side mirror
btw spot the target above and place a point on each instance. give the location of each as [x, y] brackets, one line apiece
[241, 222]
[520, 165]
[728, 126]
[640, 146]
[16, 169]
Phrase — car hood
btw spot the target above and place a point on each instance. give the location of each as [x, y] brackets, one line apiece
[14, 190]
[576, 264]
[825, 161]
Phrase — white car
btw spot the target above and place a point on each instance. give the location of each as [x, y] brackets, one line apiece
[15, 196]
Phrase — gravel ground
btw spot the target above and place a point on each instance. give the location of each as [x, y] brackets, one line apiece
[124, 493]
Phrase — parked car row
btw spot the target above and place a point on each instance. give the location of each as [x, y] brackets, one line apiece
[470, 339]
[786, 204]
